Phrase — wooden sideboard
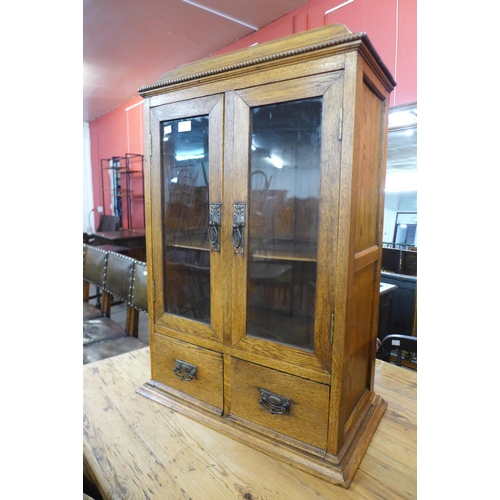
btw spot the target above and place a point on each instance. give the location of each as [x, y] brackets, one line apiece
[135, 448]
[404, 303]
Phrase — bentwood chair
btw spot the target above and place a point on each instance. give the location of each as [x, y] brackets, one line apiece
[397, 343]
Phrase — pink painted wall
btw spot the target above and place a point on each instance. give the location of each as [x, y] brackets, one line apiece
[116, 133]
[391, 26]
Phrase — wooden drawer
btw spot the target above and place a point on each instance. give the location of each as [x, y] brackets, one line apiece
[207, 383]
[307, 416]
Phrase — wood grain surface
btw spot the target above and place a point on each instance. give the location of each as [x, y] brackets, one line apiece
[135, 448]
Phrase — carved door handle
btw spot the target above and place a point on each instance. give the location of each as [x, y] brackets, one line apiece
[214, 226]
[239, 221]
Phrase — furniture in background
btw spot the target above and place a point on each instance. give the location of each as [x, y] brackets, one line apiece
[399, 261]
[133, 445]
[122, 181]
[404, 302]
[121, 278]
[281, 356]
[409, 262]
[385, 309]
[391, 260]
[108, 223]
[131, 242]
[94, 273]
[395, 346]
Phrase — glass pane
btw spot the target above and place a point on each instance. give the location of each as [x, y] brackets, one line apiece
[185, 215]
[283, 221]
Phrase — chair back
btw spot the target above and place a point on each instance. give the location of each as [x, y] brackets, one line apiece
[399, 343]
[259, 181]
[139, 288]
[409, 262]
[108, 223]
[119, 276]
[94, 265]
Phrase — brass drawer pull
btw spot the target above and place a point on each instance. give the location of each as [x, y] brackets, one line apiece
[273, 403]
[184, 370]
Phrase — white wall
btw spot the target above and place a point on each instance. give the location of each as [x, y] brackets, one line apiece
[88, 198]
[389, 225]
[397, 202]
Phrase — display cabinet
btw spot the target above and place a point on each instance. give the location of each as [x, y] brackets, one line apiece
[264, 206]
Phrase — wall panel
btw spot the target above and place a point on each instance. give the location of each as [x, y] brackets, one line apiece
[390, 24]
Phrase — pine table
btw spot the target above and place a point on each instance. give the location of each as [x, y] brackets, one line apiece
[135, 448]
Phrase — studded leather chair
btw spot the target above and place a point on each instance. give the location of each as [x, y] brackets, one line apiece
[103, 337]
[138, 296]
[119, 271]
[94, 272]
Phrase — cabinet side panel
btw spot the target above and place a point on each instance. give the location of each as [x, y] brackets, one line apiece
[360, 324]
[368, 175]
[148, 226]
[366, 170]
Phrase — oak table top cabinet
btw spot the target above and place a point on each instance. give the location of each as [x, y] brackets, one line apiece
[264, 205]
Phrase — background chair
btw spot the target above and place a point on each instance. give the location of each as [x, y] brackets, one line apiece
[108, 223]
[118, 275]
[126, 279]
[138, 301]
[397, 343]
[94, 272]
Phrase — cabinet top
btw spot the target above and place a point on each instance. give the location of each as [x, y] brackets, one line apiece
[320, 42]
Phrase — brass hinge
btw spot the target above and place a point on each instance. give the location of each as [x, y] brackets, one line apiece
[332, 327]
[340, 123]
[150, 144]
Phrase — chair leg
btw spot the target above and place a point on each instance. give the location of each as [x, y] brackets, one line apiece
[107, 299]
[398, 358]
[132, 325]
[86, 291]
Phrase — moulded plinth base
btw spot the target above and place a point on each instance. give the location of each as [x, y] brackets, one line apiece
[330, 468]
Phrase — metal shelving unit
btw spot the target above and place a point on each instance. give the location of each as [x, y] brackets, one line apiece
[123, 188]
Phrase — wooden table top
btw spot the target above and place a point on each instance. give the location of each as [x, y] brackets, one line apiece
[121, 233]
[138, 449]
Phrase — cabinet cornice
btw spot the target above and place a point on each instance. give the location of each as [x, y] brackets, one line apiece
[254, 56]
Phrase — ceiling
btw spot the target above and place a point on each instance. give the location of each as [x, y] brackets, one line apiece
[402, 156]
[128, 43]
[126, 46]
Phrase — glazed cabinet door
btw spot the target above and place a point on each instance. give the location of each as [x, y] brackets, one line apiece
[186, 192]
[283, 181]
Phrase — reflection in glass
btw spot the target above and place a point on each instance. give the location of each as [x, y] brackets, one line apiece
[185, 215]
[283, 221]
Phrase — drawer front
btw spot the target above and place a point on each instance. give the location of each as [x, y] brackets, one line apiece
[189, 369]
[255, 396]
